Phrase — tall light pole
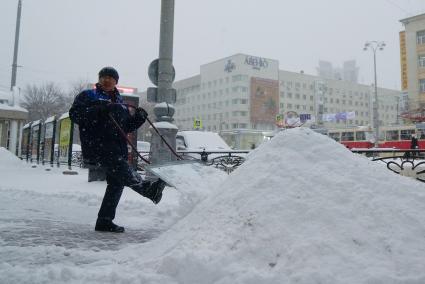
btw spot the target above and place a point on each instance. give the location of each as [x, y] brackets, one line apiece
[374, 46]
[15, 50]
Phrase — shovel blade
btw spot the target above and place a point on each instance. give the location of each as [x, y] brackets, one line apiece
[181, 174]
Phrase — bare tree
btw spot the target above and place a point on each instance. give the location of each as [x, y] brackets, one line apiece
[42, 101]
[67, 99]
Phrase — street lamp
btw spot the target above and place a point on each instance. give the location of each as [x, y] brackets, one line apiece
[374, 46]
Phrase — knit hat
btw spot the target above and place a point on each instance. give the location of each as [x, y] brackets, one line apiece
[109, 71]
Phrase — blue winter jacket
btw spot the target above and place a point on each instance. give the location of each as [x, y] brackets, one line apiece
[101, 141]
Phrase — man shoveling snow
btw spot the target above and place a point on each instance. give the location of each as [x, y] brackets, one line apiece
[103, 145]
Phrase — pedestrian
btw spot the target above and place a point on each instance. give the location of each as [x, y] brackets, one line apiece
[103, 146]
[414, 142]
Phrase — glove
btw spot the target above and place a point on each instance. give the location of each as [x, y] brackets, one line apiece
[140, 114]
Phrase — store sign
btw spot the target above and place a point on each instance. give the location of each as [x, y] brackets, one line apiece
[230, 66]
[403, 61]
[197, 123]
[257, 63]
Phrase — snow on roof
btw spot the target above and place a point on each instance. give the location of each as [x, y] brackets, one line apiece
[65, 115]
[50, 119]
[301, 209]
[164, 124]
[35, 123]
[12, 108]
[27, 125]
[204, 140]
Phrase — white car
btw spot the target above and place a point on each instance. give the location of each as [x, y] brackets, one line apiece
[143, 146]
[198, 141]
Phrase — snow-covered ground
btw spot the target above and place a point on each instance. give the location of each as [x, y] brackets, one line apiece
[301, 209]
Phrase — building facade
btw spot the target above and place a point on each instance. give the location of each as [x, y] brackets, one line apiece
[412, 59]
[12, 120]
[250, 92]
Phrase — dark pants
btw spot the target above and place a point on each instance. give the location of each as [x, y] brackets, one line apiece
[118, 175]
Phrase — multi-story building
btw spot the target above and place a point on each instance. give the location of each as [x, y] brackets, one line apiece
[412, 59]
[348, 72]
[248, 92]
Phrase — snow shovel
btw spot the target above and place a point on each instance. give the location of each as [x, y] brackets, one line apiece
[175, 173]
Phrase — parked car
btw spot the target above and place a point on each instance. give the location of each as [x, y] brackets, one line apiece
[143, 146]
[198, 141]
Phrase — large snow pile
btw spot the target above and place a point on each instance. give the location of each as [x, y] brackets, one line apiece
[302, 209]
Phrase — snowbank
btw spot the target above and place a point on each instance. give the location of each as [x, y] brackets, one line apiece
[8, 158]
[302, 209]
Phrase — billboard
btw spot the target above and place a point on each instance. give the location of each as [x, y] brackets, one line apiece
[35, 141]
[49, 129]
[65, 127]
[403, 61]
[264, 101]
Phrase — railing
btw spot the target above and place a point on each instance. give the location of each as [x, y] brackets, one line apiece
[410, 163]
[224, 160]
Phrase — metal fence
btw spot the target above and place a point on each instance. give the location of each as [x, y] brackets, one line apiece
[410, 163]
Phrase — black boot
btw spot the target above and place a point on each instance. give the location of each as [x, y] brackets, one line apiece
[154, 192]
[106, 225]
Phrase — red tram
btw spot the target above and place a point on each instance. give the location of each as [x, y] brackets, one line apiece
[395, 137]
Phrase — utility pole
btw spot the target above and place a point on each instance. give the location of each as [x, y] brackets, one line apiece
[162, 74]
[15, 51]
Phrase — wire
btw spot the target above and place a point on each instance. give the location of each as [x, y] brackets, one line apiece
[396, 5]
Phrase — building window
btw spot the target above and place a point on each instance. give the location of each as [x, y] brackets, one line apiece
[297, 96]
[289, 95]
[420, 37]
[289, 106]
[236, 78]
[304, 97]
[422, 85]
[311, 108]
[311, 98]
[422, 61]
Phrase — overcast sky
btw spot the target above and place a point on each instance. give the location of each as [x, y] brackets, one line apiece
[68, 40]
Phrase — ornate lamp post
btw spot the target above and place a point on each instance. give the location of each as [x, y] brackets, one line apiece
[374, 46]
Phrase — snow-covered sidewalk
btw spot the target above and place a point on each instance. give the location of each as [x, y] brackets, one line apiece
[301, 209]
